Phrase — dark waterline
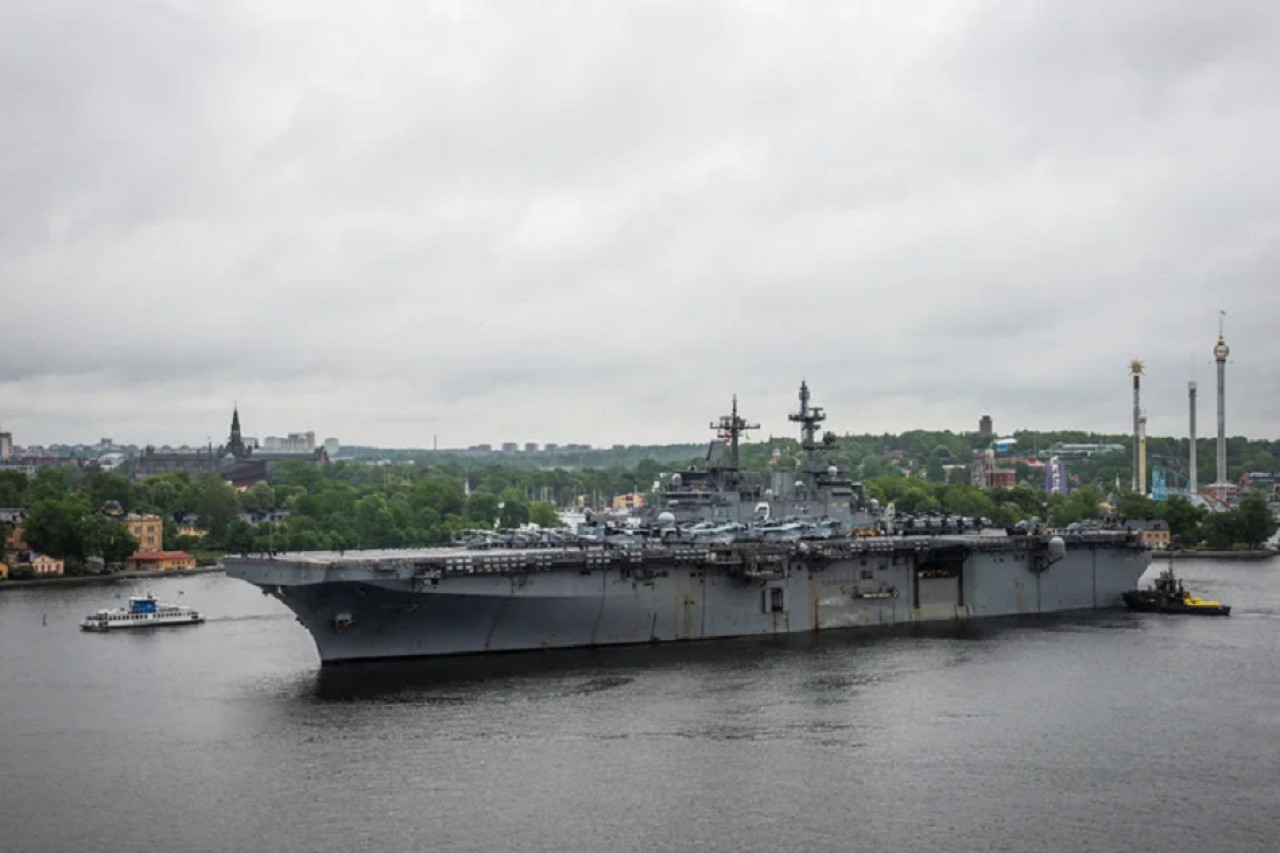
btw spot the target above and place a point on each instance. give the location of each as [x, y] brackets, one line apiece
[1105, 731]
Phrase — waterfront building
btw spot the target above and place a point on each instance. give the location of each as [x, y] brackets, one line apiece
[45, 566]
[161, 561]
[1155, 534]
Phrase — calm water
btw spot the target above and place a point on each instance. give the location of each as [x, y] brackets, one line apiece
[1108, 732]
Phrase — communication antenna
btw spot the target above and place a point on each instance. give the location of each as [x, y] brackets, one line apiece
[730, 427]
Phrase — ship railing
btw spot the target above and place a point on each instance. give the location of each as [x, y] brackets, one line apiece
[733, 556]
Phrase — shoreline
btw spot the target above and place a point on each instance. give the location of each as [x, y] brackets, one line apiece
[89, 580]
[1181, 554]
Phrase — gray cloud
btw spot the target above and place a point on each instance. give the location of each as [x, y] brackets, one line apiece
[571, 222]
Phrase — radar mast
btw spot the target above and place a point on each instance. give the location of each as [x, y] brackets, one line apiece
[730, 427]
[808, 417]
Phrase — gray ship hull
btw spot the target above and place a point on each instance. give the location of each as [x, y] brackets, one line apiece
[368, 605]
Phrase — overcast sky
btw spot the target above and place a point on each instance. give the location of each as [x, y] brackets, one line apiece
[594, 222]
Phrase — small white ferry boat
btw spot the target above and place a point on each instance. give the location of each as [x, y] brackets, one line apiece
[143, 612]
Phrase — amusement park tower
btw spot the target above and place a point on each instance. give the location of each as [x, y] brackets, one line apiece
[1191, 464]
[1135, 367]
[1220, 353]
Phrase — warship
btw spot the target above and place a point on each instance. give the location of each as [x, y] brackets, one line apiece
[720, 554]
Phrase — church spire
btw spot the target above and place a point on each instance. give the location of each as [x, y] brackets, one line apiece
[235, 444]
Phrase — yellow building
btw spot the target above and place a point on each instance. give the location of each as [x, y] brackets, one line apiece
[45, 566]
[4, 572]
[1155, 534]
[161, 561]
[14, 541]
[147, 529]
[634, 500]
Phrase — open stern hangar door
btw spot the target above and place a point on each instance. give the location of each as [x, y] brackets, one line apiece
[939, 577]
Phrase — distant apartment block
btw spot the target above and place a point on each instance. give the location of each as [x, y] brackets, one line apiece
[531, 447]
[295, 442]
[510, 447]
[6, 446]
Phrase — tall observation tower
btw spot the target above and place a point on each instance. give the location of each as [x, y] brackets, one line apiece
[1220, 353]
[1191, 465]
[1135, 367]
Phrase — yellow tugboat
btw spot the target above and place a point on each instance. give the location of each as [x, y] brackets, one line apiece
[1169, 596]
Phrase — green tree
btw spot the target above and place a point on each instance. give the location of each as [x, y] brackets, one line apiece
[960, 499]
[1133, 506]
[104, 486]
[1255, 524]
[239, 536]
[13, 489]
[216, 503]
[1183, 517]
[106, 538]
[1221, 530]
[543, 514]
[513, 509]
[375, 524]
[259, 497]
[482, 509]
[53, 525]
[164, 494]
[50, 484]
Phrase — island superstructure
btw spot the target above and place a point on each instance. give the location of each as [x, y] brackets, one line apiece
[810, 555]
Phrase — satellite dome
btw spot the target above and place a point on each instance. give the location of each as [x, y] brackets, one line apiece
[1057, 548]
[666, 518]
[832, 471]
[675, 480]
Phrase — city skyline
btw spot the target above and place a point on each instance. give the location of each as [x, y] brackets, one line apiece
[589, 225]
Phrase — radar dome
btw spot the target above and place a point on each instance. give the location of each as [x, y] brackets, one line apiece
[666, 518]
[1057, 548]
[800, 485]
[675, 479]
[875, 504]
[832, 471]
